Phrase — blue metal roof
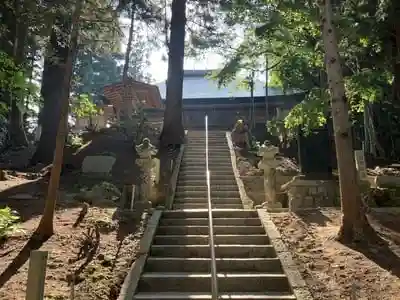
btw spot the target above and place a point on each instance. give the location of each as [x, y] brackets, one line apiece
[197, 86]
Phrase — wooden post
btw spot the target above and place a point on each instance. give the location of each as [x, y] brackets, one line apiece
[36, 275]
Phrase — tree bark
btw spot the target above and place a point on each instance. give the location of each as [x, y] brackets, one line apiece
[173, 132]
[45, 228]
[396, 52]
[127, 105]
[354, 221]
[52, 84]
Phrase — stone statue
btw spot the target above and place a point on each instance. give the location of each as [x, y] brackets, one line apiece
[145, 151]
[240, 135]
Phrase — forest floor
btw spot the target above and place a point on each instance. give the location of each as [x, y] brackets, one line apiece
[97, 252]
[336, 271]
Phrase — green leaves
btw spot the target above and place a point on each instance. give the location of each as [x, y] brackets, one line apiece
[8, 222]
[12, 80]
[288, 32]
[83, 107]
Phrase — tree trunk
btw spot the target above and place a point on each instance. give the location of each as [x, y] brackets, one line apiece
[396, 52]
[173, 132]
[52, 84]
[45, 228]
[126, 105]
[354, 221]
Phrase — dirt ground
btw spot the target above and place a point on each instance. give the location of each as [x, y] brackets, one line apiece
[336, 271]
[99, 262]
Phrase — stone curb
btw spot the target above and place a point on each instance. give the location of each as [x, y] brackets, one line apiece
[296, 281]
[131, 280]
[174, 178]
[246, 201]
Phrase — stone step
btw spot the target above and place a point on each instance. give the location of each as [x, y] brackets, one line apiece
[211, 147]
[201, 282]
[218, 229]
[253, 239]
[201, 166]
[214, 171]
[201, 176]
[225, 265]
[211, 152]
[196, 160]
[221, 251]
[203, 194]
[217, 213]
[208, 296]
[183, 181]
[190, 206]
[214, 201]
[187, 187]
[202, 134]
[216, 221]
[211, 141]
[202, 155]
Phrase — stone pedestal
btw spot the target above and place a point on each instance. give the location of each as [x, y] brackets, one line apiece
[269, 164]
[307, 193]
[145, 161]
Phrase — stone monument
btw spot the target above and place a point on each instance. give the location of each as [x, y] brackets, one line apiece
[315, 186]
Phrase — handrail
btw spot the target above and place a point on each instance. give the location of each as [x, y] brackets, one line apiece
[214, 279]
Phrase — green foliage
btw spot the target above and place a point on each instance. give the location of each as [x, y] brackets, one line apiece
[83, 107]
[74, 140]
[12, 80]
[291, 38]
[8, 222]
[310, 113]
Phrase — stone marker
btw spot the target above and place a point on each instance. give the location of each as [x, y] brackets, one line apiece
[361, 164]
[99, 164]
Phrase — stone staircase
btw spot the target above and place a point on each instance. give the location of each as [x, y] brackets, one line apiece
[178, 266]
[191, 190]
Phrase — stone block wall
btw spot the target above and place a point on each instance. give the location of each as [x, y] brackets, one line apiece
[311, 193]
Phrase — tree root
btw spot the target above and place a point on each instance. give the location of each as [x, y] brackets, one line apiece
[362, 233]
[82, 214]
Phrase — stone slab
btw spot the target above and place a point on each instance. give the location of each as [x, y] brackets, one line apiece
[99, 164]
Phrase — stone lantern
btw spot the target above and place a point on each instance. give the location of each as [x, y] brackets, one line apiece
[269, 163]
[146, 151]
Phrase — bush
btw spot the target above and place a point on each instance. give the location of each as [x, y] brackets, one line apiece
[8, 222]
